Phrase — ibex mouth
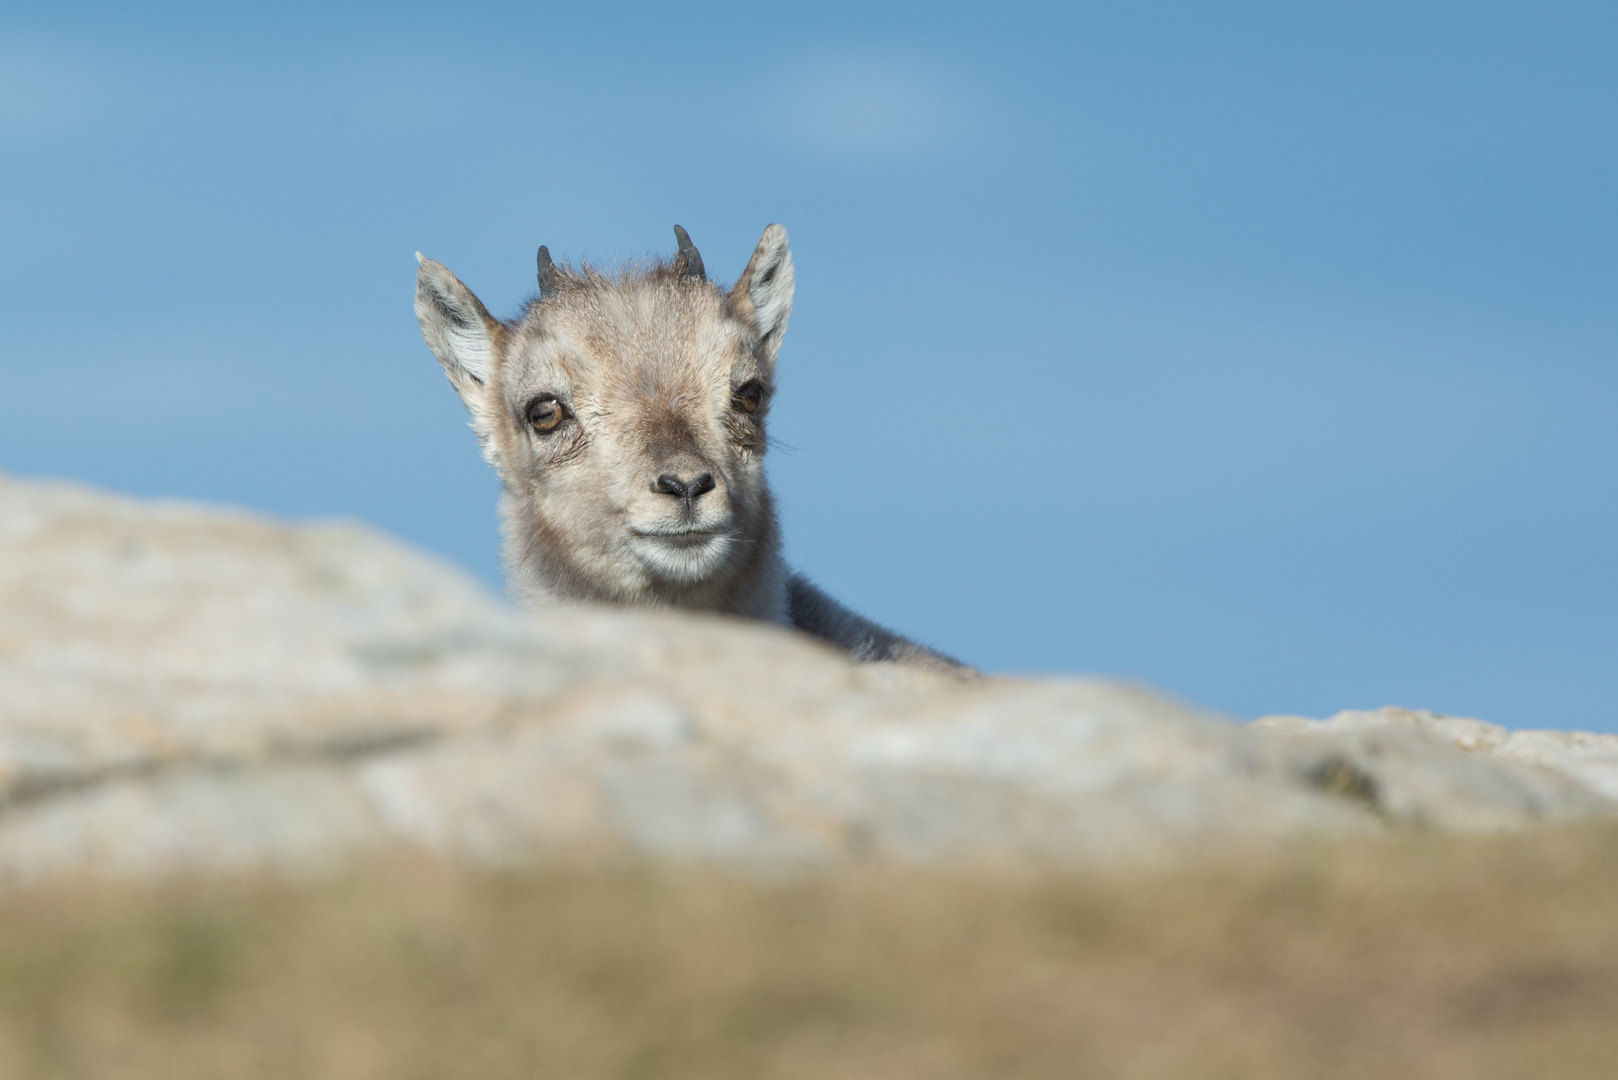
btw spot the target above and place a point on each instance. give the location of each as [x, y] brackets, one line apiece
[681, 555]
[680, 538]
[683, 530]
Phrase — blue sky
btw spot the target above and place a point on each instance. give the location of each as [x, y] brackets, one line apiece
[1261, 352]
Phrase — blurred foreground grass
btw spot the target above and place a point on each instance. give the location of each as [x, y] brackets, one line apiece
[1413, 956]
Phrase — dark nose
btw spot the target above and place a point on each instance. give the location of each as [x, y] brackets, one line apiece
[669, 484]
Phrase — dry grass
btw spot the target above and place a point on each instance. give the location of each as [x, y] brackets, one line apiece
[1424, 956]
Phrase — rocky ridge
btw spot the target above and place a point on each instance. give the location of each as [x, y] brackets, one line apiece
[185, 687]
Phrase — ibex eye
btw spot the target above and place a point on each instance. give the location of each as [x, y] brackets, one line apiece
[545, 413]
[749, 396]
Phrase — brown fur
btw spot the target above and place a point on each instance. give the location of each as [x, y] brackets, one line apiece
[651, 491]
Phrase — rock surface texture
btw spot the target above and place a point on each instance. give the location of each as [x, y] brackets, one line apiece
[184, 687]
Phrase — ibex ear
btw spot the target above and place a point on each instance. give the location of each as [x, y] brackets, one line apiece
[764, 291]
[464, 338]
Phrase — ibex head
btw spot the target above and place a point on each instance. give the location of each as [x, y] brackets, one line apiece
[625, 416]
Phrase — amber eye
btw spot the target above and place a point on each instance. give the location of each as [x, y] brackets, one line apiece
[546, 413]
[748, 396]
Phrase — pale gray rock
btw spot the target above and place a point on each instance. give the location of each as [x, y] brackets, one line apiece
[185, 687]
[1587, 757]
[1586, 760]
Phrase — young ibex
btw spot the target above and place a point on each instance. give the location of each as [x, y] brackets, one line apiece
[625, 418]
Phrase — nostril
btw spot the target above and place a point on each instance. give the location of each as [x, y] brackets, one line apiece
[701, 485]
[669, 484]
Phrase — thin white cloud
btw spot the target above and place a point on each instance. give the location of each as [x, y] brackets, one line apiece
[42, 87]
[867, 105]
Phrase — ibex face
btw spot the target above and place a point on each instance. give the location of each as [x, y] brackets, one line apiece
[625, 417]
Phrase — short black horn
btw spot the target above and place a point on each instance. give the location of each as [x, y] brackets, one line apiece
[546, 289]
[688, 263]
